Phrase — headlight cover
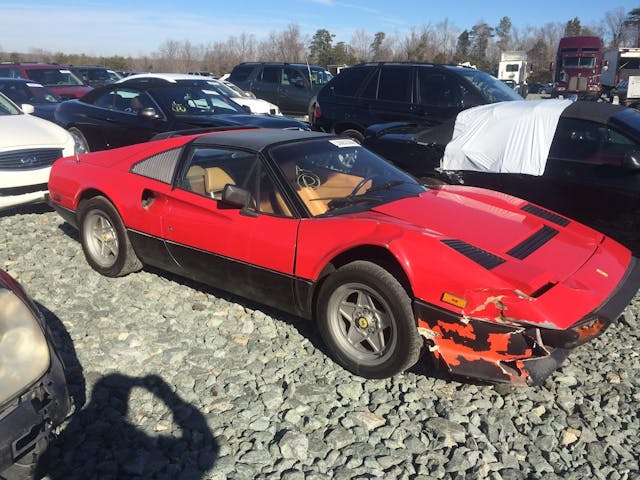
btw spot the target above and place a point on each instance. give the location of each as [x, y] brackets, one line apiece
[24, 352]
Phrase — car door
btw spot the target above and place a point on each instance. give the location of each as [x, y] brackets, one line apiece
[389, 94]
[123, 122]
[267, 84]
[248, 251]
[294, 91]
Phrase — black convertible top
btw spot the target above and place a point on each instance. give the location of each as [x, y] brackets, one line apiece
[599, 112]
[256, 139]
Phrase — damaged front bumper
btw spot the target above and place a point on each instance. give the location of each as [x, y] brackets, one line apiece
[512, 353]
[27, 422]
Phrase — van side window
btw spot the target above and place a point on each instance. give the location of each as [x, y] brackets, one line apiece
[271, 74]
[349, 80]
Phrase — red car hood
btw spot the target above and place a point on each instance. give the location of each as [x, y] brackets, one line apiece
[496, 223]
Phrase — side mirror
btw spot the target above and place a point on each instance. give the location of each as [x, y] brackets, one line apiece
[631, 161]
[237, 196]
[149, 112]
[247, 108]
[27, 108]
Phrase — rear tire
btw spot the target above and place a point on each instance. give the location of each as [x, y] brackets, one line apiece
[104, 239]
[366, 320]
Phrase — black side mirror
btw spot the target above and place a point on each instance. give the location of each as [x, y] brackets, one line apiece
[149, 112]
[631, 161]
[246, 108]
[237, 197]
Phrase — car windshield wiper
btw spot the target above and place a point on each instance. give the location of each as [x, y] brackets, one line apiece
[386, 185]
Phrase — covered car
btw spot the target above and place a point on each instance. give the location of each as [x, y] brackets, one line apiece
[34, 398]
[317, 225]
[581, 159]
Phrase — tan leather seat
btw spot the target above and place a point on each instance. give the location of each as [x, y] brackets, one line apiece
[215, 179]
[195, 179]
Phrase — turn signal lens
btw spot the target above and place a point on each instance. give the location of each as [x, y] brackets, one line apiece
[454, 300]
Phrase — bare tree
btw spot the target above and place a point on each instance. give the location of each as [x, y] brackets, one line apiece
[613, 25]
[361, 46]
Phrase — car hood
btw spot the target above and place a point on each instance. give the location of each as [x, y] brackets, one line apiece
[265, 121]
[494, 223]
[27, 131]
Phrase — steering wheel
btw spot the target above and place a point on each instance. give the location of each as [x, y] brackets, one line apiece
[361, 184]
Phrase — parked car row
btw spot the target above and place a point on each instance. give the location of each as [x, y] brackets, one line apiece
[393, 271]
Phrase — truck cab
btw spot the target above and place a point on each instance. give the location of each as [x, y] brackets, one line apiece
[578, 67]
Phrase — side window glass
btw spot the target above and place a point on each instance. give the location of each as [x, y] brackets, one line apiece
[439, 90]
[349, 80]
[129, 100]
[588, 142]
[371, 90]
[106, 100]
[209, 170]
[291, 76]
[271, 74]
[395, 84]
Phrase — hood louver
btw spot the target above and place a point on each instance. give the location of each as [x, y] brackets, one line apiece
[481, 257]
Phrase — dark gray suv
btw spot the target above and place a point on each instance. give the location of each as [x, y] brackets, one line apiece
[290, 86]
[424, 93]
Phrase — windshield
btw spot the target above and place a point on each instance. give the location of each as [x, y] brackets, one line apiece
[492, 89]
[28, 92]
[224, 89]
[6, 107]
[337, 175]
[189, 101]
[579, 62]
[54, 77]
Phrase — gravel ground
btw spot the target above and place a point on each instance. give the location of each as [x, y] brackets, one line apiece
[174, 380]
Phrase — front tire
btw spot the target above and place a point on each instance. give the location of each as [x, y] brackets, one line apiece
[365, 318]
[104, 239]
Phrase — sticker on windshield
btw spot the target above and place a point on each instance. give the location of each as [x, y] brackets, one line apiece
[65, 71]
[344, 142]
[210, 92]
[34, 85]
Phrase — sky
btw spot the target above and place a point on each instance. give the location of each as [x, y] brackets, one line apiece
[138, 27]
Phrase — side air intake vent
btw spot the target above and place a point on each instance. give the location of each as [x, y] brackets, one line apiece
[533, 243]
[481, 257]
[546, 214]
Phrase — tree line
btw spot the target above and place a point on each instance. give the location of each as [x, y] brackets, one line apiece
[442, 42]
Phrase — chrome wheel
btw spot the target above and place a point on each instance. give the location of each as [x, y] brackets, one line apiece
[362, 323]
[101, 239]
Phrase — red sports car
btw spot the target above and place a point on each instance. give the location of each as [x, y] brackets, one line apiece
[493, 286]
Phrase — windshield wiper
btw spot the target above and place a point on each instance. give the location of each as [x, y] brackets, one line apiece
[386, 185]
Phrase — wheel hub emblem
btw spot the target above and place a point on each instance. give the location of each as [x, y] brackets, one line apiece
[363, 323]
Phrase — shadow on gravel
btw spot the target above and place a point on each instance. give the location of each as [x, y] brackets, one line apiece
[101, 442]
[26, 209]
[66, 350]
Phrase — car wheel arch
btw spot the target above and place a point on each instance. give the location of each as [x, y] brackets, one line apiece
[376, 254]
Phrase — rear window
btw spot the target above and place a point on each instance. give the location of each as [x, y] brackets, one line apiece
[241, 73]
[10, 72]
[348, 81]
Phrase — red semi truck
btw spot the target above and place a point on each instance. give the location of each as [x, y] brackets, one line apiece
[578, 67]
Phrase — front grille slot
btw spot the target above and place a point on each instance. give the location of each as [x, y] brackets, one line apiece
[533, 243]
[481, 257]
[546, 214]
[30, 158]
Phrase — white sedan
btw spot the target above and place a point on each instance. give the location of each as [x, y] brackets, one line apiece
[28, 147]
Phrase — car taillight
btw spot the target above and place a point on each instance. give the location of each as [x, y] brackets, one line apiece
[316, 112]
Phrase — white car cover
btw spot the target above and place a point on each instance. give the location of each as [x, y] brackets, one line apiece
[505, 137]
